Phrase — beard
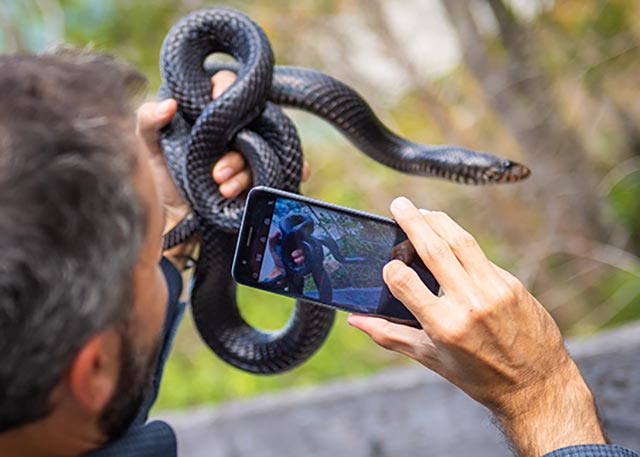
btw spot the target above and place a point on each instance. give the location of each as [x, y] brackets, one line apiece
[135, 381]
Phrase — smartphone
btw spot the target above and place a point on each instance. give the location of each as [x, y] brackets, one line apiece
[323, 253]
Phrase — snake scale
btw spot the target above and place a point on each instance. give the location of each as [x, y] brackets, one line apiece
[247, 117]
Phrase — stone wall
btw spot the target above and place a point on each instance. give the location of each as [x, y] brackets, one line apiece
[402, 412]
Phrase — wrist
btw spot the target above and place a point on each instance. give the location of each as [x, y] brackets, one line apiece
[556, 412]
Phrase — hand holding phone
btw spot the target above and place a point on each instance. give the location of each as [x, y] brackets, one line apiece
[323, 253]
[487, 335]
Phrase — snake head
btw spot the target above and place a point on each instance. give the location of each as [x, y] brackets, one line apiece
[505, 171]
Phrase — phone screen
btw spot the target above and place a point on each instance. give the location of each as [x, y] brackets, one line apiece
[327, 254]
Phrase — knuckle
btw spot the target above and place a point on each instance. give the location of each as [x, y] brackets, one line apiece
[456, 331]
[514, 283]
[452, 335]
[383, 341]
[398, 278]
[519, 291]
[243, 177]
[384, 337]
[436, 249]
[237, 160]
[505, 296]
[483, 314]
[463, 241]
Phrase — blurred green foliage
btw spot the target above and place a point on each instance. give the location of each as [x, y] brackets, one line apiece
[194, 375]
[625, 201]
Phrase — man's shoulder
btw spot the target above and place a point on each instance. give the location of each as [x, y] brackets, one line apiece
[155, 439]
[593, 450]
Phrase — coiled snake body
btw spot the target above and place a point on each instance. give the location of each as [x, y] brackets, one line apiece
[246, 117]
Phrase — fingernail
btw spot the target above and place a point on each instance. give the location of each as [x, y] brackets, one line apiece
[349, 319]
[401, 203]
[164, 107]
[424, 211]
[224, 174]
[231, 188]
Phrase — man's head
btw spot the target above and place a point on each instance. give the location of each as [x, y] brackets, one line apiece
[81, 295]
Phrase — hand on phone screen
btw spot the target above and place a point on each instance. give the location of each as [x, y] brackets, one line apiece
[278, 272]
[278, 268]
[298, 257]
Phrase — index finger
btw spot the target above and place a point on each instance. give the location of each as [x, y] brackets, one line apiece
[432, 249]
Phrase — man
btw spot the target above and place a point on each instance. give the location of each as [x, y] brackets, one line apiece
[85, 312]
[86, 316]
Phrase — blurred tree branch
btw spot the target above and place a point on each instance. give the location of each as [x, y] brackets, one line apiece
[522, 95]
[394, 50]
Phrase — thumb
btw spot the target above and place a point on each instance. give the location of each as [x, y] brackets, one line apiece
[152, 116]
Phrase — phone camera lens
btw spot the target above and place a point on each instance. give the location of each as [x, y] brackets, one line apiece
[254, 275]
[267, 221]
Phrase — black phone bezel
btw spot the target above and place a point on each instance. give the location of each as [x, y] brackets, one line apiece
[244, 262]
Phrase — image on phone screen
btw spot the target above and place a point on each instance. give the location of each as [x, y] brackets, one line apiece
[331, 256]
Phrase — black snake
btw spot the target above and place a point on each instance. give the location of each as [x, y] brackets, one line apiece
[247, 118]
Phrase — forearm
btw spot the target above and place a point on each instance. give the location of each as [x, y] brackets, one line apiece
[558, 414]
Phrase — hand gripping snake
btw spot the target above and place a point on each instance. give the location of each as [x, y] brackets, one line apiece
[247, 118]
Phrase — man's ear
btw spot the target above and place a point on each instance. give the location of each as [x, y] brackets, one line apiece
[94, 372]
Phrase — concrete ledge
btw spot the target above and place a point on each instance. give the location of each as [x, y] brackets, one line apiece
[401, 412]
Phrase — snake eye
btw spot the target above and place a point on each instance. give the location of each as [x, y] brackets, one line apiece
[496, 172]
[507, 171]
